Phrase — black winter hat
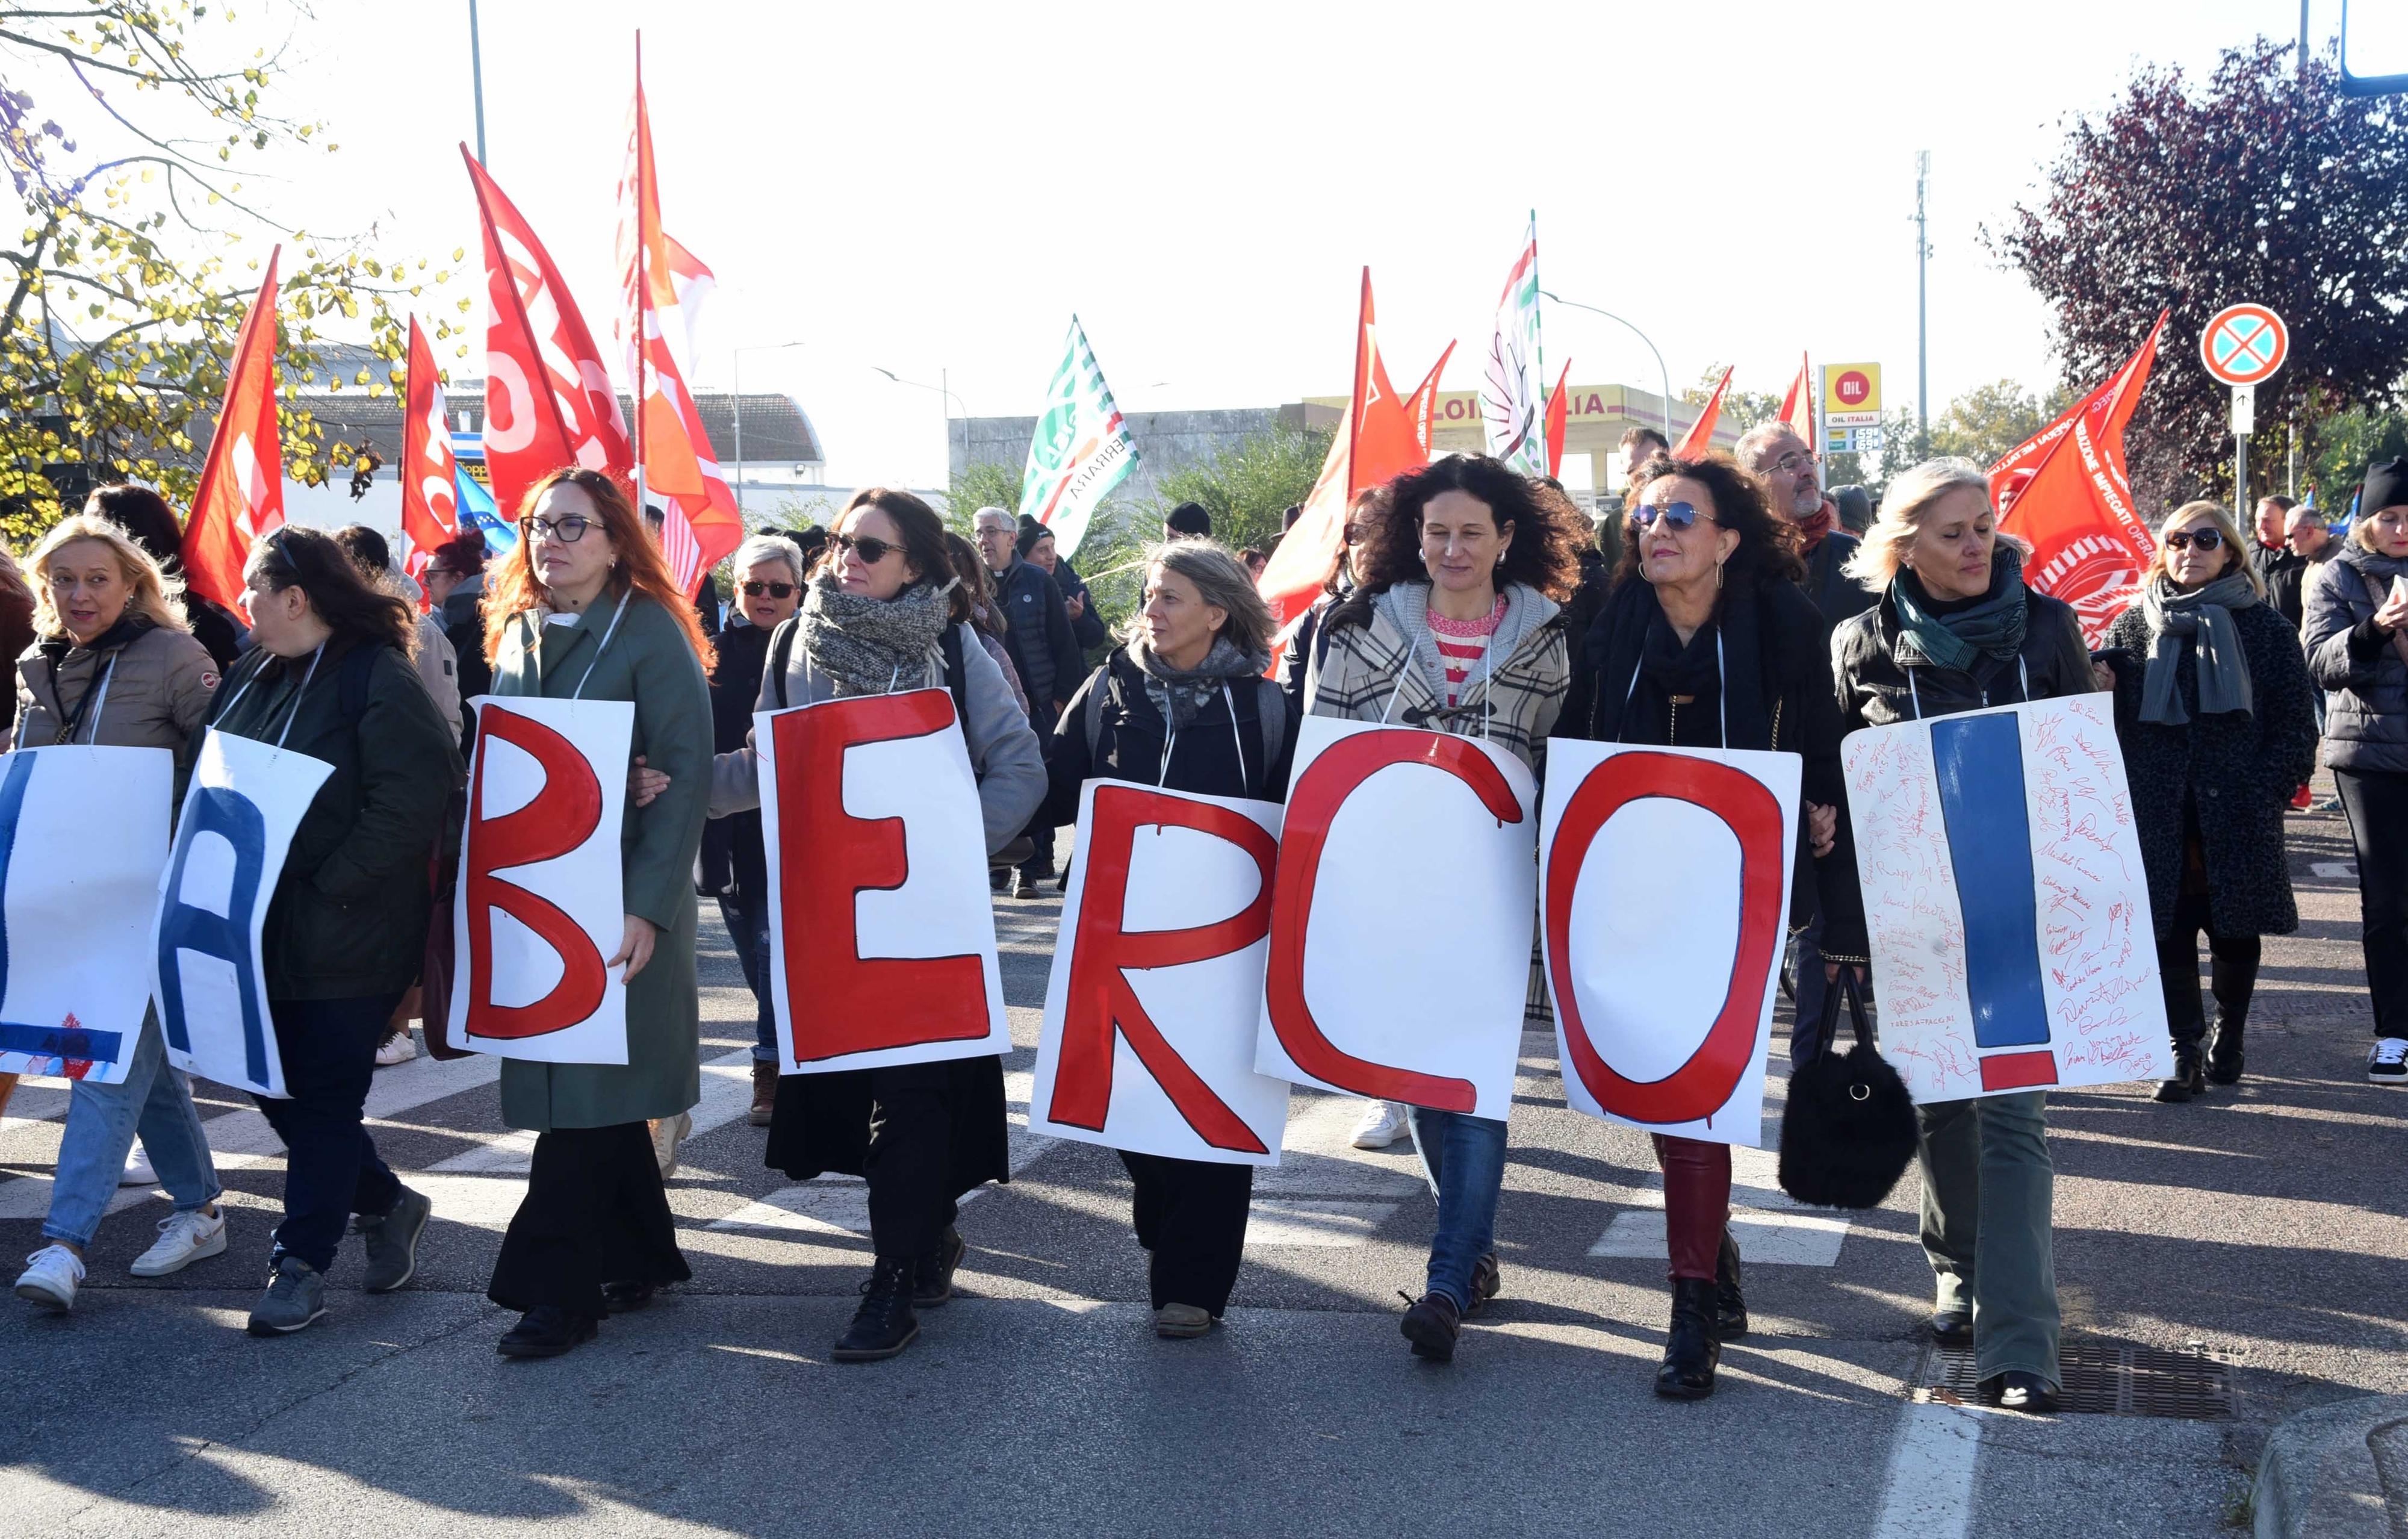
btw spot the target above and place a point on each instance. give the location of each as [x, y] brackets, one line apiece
[2386, 486]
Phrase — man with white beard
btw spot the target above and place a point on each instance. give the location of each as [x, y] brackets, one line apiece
[1784, 466]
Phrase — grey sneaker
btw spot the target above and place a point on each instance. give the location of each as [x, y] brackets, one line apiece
[393, 1241]
[294, 1300]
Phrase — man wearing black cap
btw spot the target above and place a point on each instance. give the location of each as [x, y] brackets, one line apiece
[1188, 521]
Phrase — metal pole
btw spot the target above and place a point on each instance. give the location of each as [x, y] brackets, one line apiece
[1664, 373]
[1922, 290]
[2240, 480]
[740, 434]
[476, 77]
[2303, 39]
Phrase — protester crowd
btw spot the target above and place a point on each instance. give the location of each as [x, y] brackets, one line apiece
[1733, 604]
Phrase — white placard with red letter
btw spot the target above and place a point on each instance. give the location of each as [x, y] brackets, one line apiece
[541, 902]
[1664, 893]
[1158, 981]
[882, 929]
[1401, 920]
[2006, 902]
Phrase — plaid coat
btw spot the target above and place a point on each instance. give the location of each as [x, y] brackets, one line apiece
[1370, 672]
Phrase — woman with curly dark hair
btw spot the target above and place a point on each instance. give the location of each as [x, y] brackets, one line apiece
[1453, 626]
[1717, 646]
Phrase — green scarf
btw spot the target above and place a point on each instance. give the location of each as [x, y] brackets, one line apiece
[1993, 627]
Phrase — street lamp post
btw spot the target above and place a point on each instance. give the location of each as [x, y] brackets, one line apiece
[946, 398]
[1666, 374]
[760, 347]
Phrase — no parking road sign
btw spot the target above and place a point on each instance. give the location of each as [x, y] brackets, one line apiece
[2244, 344]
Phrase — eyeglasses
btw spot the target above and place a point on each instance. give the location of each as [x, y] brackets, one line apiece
[774, 590]
[1795, 462]
[2206, 540]
[1353, 534]
[568, 531]
[868, 547]
[1680, 515]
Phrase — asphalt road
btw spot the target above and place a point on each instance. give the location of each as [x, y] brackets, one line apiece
[2264, 1225]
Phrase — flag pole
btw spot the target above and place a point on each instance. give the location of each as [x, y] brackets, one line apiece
[1538, 346]
[643, 294]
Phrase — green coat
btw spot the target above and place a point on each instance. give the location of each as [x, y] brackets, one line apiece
[648, 663]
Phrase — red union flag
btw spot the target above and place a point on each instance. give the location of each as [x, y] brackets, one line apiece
[2107, 408]
[1700, 438]
[430, 497]
[241, 494]
[548, 400]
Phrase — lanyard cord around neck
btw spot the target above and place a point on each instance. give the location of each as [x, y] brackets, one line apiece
[1722, 693]
[1170, 741]
[608, 631]
[2023, 671]
[308, 674]
[96, 697]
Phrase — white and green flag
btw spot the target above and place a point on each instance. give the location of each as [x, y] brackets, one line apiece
[1081, 449]
[1513, 391]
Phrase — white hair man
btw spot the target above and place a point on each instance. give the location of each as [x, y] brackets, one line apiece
[1783, 467]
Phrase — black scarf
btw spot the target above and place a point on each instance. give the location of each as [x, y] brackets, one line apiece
[1640, 665]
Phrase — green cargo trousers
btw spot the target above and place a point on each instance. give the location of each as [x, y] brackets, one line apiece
[1987, 1190]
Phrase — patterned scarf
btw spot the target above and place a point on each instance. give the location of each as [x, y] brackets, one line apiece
[1991, 626]
[1180, 693]
[872, 645]
[2203, 617]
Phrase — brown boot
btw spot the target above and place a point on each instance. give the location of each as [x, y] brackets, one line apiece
[764, 1092]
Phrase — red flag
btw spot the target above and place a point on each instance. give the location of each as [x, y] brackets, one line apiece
[2089, 547]
[1797, 407]
[430, 493]
[241, 494]
[2107, 408]
[1386, 446]
[548, 398]
[700, 523]
[1424, 400]
[1558, 418]
[1701, 435]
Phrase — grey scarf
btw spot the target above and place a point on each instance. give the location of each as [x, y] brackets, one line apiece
[2205, 617]
[872, 645]
[1179, 694]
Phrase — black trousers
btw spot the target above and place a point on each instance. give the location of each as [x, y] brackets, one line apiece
[2232, 960]
[594, 1213]
[1191, 1214]
[909, 1166]
[331, 1168]
[2376, 803]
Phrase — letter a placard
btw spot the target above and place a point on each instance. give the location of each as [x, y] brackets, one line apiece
[1664, 888]
[1401, 918]
[2006, 901]
[1157, 983]
[541, 898]
[244, 801]
[881, 929]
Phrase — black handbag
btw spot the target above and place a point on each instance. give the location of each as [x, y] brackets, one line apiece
[1848, 1130]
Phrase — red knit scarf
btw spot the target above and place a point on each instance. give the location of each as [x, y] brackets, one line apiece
[1826, 518]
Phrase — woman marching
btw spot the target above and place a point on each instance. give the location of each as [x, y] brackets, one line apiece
[112, 663]
[2357, 637]
[329, 675]
[1720, 647]
[1956, 630]
[1452, 628]
[887, 614]
[1182, 703]
[2217, 722]
[583, 608]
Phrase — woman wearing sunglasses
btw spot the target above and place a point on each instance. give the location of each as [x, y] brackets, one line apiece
[884, 613]
[2218, 721]
[1957, 630]
[1460, 571]
[1719, 647]
[584, 608]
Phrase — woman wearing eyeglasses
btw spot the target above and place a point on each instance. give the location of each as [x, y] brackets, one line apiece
[2217, 722]
[583, 608]
[768, 590]
[1956, 630]
[884, 613]
[1717, 646]
[1453, 628]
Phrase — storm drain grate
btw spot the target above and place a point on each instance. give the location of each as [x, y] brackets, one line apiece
[2102, 1379]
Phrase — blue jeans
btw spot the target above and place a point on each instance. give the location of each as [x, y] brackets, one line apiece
[102, 1120]
[1464, 1156]
[749, 933]
[331, 1166]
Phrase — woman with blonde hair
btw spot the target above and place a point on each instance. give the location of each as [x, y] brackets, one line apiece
[113, 662]
[1955, 629]
[2217, 722]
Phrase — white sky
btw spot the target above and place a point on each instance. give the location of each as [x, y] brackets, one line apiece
[938, 187]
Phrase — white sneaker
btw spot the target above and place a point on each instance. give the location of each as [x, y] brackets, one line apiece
[400, 1048]
[1384, 1123]
[183, 1239]
[667, 1134]
[50, 1280]
[138, 1168]
[2387, 1064]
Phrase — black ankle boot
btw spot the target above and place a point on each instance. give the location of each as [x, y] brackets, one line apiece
[932, 1278]
[1730, 1305]
[884, 1324]
[2224, 1051]
[1690, 1350]
[2187, 1081]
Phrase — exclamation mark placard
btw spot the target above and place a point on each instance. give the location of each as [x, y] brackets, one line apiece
[1978, 762]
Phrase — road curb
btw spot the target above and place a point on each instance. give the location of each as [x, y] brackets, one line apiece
[2323, 1475]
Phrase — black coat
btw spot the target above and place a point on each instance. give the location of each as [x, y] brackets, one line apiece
[733, 860]
[1043, 650]
[1088, 629]
[1837, 595]
[1130, 738]
[2238, 769]
[1874, 690]
[1794, 711]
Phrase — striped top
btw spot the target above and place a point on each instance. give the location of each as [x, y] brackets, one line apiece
[1461, 644]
